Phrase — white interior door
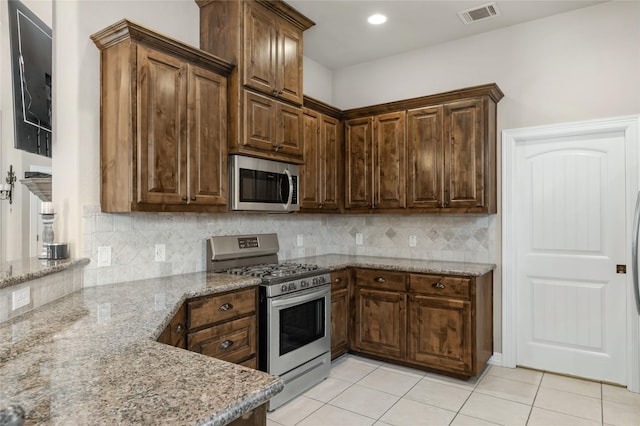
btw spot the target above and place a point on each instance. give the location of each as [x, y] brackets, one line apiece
[571, 235]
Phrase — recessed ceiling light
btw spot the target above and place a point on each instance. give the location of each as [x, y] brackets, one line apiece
[377, 19]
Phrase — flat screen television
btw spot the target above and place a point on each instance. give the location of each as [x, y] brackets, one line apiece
[31, 50]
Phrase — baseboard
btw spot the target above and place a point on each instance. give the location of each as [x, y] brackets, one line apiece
[496, 359]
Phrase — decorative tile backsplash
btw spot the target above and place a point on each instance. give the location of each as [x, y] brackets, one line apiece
[133, 236]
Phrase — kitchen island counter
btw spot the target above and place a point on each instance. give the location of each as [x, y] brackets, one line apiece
[92, 358]
[422, 266]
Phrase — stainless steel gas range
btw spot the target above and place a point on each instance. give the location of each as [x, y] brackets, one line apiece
[294, 309]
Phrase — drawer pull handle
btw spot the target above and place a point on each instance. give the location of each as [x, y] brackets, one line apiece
[380, 280]
[179, 329]
[438, 285]
[225, 307]
[226, 344]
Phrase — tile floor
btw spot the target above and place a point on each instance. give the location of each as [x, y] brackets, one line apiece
[360, 391]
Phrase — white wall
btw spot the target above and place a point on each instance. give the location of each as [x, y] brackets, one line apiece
[578, 65]
[14, 218]
[317, 81]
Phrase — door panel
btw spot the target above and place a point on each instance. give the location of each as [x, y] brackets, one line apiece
[380, 326]
[464, 173]
[291, 128]
[260, 49]
[389, 161]
[289, 82]
[425, 157]
[207, 110]
[162, 94]
[259, 121]
[330, 161]
[571, 236]
[358, 146]
[309, 182]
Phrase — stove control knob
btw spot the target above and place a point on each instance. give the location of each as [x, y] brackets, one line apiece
[292, 286]
[284, 288]
[304, 284]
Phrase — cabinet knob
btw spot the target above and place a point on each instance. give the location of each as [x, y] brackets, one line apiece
[225, 307]
[280, 92]
[184, 198]
[226, 344]
[412, 298]
[179, 329]
[337, 280]
[275, 91]
[193, 198]
[438, 285]
[380, 280]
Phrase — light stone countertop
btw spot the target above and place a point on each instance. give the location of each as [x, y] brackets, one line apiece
[341, 261]
[91, 358]
[19, 271]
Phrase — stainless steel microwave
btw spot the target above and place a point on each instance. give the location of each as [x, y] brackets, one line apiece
[256, 184]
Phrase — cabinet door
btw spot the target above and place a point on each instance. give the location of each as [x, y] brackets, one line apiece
[161, 165]
[289, 133]
[330, 163]
[339, 313]
[380, 324]
[439, 333]
[289, 63]
[389, 165]
[425, 158]
[464, 170]
[175, 334]
[207, 107]
[358, 162]
[259, 122]
[310, 171]
[260, 46]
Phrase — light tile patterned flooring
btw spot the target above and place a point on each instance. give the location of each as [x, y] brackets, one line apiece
[360, 391]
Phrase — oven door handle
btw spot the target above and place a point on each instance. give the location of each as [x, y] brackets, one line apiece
[290, 179]
[296, 298]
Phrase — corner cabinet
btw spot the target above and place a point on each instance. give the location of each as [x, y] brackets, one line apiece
[321, 173]
[163, 130]
[375, 162]
[446, 163]
[264, 40]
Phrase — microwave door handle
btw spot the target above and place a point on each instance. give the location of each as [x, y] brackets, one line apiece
[286, 172]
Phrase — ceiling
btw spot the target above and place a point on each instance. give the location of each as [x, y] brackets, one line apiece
[342, 36]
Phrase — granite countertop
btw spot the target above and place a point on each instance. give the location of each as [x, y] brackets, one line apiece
[91, 358]
[19, 271]
[340, 261]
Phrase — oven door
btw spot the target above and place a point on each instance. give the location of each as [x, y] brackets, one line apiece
[299, 328]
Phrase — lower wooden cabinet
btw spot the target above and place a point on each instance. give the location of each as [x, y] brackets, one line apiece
[439, 333]
[437, 322]
[340, 312]
[220, 325]
[255, 417]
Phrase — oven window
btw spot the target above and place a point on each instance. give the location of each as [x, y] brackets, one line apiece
[263, 187]
[301, 325]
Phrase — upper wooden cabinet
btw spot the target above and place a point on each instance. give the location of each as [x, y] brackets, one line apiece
[375, 162]
[321, 173]
[264, 40]
[163, 130]
[273, 54]
[450, 154]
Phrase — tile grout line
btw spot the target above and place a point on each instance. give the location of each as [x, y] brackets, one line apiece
[535, 397]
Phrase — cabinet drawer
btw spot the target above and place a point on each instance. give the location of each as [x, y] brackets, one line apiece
[233, 341]
[221, 307]
[375, 278]
[438, 285]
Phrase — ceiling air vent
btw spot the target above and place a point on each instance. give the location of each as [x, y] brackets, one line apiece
[479, 13]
